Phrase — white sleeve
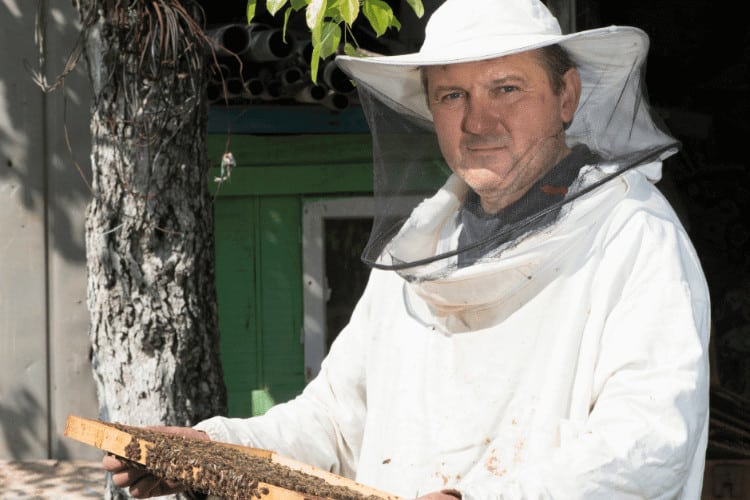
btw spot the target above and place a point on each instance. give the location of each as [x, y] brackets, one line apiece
[646, 433]
[323, 426]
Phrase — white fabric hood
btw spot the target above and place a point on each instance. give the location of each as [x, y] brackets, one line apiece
[483, 294]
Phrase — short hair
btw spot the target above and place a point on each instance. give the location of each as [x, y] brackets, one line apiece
[556, 61]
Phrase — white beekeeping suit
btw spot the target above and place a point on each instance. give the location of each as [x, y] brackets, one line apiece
[557, 349]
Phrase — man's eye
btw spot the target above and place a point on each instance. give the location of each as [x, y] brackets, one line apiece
[451, 96]
[506, 89]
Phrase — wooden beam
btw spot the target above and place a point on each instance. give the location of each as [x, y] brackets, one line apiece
[119, 441]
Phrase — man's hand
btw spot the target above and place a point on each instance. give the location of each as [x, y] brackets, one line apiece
[141, 483]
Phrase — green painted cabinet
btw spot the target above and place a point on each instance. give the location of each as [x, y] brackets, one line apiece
[258, 227]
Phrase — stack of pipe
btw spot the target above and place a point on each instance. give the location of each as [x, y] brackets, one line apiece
[256, 63]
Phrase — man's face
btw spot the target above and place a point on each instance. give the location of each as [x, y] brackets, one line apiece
[499, 123]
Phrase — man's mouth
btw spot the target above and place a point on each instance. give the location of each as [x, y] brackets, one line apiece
[485, 149]
[487, 145]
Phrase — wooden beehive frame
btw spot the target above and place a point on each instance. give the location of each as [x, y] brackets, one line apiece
[124, 442]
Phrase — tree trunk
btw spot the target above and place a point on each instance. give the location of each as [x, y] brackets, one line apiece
[149, 226]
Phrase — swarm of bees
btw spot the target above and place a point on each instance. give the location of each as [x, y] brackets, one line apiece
[211, 468]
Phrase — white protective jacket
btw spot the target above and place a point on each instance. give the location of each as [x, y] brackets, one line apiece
[574, 367]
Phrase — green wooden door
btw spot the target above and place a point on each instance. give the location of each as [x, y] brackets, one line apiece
[258, 214]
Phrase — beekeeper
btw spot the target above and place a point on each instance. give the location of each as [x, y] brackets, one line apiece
[536, 321]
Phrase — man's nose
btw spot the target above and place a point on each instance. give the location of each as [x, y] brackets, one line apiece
[480, 117]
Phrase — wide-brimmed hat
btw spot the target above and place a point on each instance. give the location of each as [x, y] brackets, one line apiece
[613, 121]
[474, 30]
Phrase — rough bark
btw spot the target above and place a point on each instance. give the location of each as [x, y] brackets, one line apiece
[149, 228]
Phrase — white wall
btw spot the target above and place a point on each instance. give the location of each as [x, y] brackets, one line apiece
[44, 369]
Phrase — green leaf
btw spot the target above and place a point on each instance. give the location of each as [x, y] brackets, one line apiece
[315, 34]
[350, 50]
[333, 11]
[250, 10]
[298, 4]
[315, 62]
[274, 6]
[314, 14]
[330, 37]
[287, 13]
[379, 14]
[349, 10]
[417, 7]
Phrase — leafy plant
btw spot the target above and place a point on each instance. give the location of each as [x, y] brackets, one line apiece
[331, 20]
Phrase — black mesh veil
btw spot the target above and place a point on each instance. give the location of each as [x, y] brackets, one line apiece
[427, 223]
[414, 176]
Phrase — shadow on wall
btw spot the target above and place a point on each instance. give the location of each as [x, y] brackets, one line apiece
[23, 421]
[38, 170]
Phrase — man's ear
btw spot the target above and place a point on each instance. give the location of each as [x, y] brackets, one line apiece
[570, 94]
